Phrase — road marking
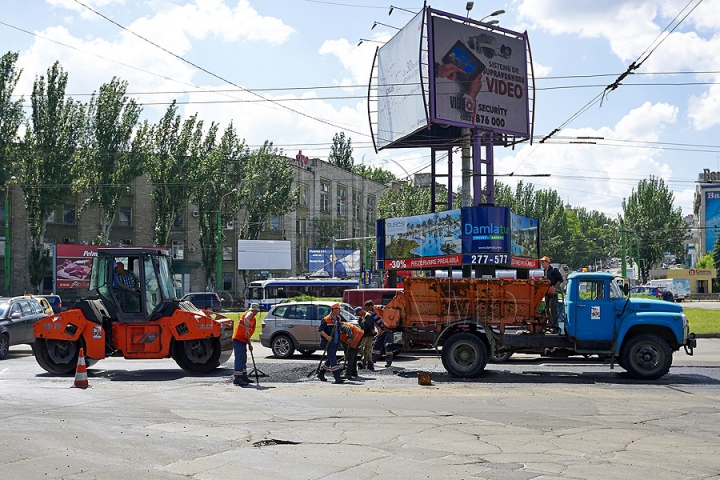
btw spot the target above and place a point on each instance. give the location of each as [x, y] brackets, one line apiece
[4, 370]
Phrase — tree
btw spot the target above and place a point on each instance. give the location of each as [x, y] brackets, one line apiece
[341, 152]
[326, 229]
[378, 174]
[110, 160]
[11, 113]
[177, 151]
[706, 261]
[215, 178]
[405, 199]
[266, 190]
[716, 254]
[651, 217]
[45, 160]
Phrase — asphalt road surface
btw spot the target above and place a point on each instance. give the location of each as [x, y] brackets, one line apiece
[524, 419]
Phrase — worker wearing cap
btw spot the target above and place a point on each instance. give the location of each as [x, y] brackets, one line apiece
[330, 332]
[241, 339]
[551, 298]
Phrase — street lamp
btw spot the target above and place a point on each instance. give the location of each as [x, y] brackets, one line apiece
[218, 279]
[375, 24]
[7, 235]
[493, 14]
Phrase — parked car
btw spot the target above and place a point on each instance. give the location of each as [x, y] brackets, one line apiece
[294, 326]
[47, 308]
[17, 317]
[203, 300]
[54, 301]
[660, 293]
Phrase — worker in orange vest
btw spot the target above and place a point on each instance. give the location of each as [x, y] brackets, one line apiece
[241, 339]
[350, 336]
[330, 337]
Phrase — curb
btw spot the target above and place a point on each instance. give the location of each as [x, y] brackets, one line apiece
[707, 335]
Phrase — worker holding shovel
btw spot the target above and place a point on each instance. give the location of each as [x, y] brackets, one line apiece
[241, 342]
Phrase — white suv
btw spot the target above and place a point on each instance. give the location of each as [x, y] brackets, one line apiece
[294, 326]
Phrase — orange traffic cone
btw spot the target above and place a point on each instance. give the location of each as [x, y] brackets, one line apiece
[81, 380]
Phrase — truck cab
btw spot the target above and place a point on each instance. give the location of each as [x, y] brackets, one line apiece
[640, 333]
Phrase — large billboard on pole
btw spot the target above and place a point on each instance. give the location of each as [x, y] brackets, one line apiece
[480, 76]
[401, 104]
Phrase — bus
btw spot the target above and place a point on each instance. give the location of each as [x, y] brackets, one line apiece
[270, 292]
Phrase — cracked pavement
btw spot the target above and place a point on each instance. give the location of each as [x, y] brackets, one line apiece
[149, 421]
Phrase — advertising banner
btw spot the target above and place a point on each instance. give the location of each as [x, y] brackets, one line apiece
[486, 230]
[480, 76]
[524, 236]
[712, 217]
[347, 262]
[425, 262]
[73, 264]
[423, 236]
[264, 255]
[401, 106]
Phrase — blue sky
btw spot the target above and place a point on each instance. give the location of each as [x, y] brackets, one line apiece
[305, 53]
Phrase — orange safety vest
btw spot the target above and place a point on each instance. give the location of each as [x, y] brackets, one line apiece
[245, 327]
[350, 334]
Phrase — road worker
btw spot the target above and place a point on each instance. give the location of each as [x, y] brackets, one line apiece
[241, 342]
[330, 332]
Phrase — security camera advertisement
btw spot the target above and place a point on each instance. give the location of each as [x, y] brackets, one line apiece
[480, 76]
[469, 236]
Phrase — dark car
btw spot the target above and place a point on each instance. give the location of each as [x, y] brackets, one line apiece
[660, 293]
[17, 317]
[54, 301]
[203, 300]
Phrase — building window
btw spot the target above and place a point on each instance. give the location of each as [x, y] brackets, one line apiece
[178, 249]
[341, 201]
[302, 195]
[125, 218]
[370, 214]
[69, 214]
[228, 278]
[301, 226]
[357, 203]
[51, 218]
[324, 196]
[179, 221]
[227, 251]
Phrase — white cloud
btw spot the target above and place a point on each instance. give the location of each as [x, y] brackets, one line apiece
[597, 176]
[357, 59]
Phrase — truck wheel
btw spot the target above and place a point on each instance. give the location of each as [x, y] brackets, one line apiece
[464, 355]
[56, 356]
[4, 346]
[197, 356]
[647, 357]
[500, 357]
[282, 346]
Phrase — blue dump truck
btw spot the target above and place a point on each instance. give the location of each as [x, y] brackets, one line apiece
[472, 319]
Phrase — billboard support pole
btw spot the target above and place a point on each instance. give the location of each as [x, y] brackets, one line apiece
[467, 171]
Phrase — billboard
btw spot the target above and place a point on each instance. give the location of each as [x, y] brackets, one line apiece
[347, 262]
[712, 217]
[264, 255]
[480, 76]
[524, 236]
[73, 264]
[485, 235]
[401, 104]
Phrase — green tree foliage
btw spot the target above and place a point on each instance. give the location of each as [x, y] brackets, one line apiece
[11, 113]
[715, 254]
[341, 152]
[404, 199]
[652, 218]
[109, 160]
[326, 229]
[593, 237]
[178, 150]
[45, 161]
[266, 190]
[545, 205]
[213, 182]
[706, 261]
[377, 174]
